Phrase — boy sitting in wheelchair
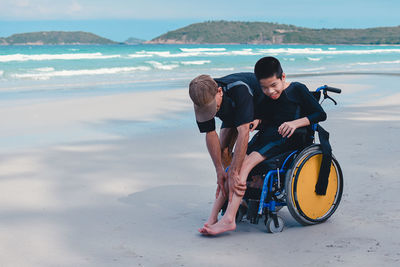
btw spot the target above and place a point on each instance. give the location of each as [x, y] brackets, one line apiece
[289, 106]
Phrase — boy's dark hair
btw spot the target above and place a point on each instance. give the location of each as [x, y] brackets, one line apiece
[268, 67]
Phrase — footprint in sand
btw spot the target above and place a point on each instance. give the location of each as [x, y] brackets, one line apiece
[356, 243]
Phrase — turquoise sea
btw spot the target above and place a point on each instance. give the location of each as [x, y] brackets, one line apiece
[33, 74]
[54, 71]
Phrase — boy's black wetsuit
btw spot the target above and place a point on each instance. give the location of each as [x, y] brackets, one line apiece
[295, 102]
[241, 102]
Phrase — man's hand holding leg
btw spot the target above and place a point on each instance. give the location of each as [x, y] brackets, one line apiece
[235, 185]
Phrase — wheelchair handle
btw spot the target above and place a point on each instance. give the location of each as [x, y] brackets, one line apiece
[327, 88]
[333, 89]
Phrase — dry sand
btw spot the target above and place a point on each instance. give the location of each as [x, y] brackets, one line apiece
[138, 201]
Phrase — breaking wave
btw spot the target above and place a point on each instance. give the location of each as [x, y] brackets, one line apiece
[64, 73]
[375, 63]
[160, 66]
[41, 57]
[201, 49]
[196, 62]
[314, 58]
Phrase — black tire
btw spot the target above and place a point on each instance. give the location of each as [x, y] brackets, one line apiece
[271, 225]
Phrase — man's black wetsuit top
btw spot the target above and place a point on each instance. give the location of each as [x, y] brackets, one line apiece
[295, 102]
[241, 102]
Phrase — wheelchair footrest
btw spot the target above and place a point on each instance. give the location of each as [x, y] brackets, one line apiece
[252, 211]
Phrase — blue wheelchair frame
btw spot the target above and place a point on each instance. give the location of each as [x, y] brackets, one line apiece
[271, 178]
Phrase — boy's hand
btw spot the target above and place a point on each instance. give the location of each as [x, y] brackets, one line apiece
[222, 176]
[287, 128]
[254, 124]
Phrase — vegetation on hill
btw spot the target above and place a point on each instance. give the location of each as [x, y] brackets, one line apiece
[214, 32]
[54, 38]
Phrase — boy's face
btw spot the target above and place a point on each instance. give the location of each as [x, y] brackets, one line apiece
[273, 86]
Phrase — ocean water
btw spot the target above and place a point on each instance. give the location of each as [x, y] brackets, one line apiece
[42, 73]
[64, 71]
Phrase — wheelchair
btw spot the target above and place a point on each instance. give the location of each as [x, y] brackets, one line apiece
[290, 180]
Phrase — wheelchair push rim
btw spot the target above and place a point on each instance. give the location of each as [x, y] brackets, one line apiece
[303, 203]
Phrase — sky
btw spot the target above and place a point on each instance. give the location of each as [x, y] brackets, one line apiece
[147, 19]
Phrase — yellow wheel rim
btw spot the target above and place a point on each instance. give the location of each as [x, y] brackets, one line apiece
[312, 205]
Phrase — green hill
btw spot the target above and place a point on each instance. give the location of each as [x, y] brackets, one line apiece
[54, 38]
[217, 32]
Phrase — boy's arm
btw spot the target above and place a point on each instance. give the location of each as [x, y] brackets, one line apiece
[311, 107]
[214, 149]
[288, 128]
[315, 113]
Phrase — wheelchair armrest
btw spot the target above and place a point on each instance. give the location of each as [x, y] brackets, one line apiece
[301, 131]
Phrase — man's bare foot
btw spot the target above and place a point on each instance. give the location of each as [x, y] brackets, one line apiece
[202, 230]
[209, 222]
[220, 227]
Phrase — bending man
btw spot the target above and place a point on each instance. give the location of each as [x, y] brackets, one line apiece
[235, 99]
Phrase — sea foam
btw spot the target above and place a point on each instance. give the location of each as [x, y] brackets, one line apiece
[201, 49]
[195, 53]
[375, 63]
[45, 69]
[314, 69]
[195, 62]
[319, 51]
[160, 66]
[65, 73]
[139, 55]
[40, 57]
[314, 58]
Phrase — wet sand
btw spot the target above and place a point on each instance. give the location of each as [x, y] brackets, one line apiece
[138, 201]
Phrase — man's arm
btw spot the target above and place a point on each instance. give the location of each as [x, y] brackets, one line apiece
[227, 137]
[214, 149]
[238, 157]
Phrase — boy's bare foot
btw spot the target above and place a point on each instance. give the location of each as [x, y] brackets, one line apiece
[220, 227]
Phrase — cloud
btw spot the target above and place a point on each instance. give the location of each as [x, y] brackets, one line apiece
[39, 9]
[22, 3]
[75, 8]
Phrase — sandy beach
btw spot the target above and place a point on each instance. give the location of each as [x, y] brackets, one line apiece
[137, 199]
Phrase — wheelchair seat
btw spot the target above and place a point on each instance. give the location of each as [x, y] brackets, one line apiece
[270, 164]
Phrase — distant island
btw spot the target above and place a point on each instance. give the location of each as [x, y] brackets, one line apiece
[223, 32]
[55, 38]
[235, 32]
[134, 40]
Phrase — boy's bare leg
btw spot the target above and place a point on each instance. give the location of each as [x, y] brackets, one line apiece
[227, 222]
